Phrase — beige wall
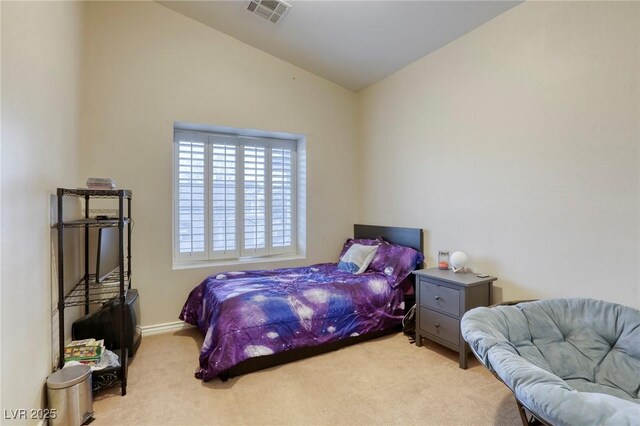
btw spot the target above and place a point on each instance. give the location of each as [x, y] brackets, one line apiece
[519, 144]
[1, 277]
[147, 66]
[40, 147]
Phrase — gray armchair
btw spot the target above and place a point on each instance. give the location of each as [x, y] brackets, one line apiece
[567, 361]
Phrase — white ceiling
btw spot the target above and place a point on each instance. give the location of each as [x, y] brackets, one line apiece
[352, 43]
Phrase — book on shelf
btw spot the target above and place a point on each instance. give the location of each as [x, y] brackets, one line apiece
[87, 351]
[101, 183]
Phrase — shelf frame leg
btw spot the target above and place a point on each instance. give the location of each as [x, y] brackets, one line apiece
[86, 256]
[123, 322]
[129, 242]
[60, 281]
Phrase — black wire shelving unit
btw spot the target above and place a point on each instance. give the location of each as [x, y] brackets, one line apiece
[87, 290]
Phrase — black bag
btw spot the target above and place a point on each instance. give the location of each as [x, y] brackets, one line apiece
[409, 324]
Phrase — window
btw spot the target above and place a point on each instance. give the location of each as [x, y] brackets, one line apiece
[234, 196]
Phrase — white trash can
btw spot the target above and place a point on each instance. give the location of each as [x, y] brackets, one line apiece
[69, 392]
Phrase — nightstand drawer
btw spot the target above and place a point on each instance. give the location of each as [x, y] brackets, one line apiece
[444, 299]
[440, 325]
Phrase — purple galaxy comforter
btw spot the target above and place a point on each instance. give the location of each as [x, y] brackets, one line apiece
[254, 313]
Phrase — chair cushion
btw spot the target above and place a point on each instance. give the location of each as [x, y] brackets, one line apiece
[564, 358]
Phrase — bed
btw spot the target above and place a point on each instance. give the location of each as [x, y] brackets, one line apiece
[253, 320]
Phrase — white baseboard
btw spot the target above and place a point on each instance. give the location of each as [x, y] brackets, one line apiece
[169, 327]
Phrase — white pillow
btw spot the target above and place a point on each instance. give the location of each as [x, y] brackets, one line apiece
[357, 258]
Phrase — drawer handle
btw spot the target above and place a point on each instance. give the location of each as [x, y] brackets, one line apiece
[437, 325]
[437, 297]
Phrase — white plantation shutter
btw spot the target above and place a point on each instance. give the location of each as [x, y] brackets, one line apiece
[282, 196]
[191, 226]
[224, 197]
[254, 198]
[234, 196]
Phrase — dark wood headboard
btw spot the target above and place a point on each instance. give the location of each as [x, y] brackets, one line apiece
[409, 237]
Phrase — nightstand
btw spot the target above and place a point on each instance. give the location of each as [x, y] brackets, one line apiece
[442, 297]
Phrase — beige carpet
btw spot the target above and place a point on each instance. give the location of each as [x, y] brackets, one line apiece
[385, 381]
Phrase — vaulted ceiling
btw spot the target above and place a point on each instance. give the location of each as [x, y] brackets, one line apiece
[352, 43]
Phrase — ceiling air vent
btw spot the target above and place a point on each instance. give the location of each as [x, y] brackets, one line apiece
[273, 10]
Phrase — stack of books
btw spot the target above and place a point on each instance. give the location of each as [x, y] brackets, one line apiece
[87, 351]
[101, 183]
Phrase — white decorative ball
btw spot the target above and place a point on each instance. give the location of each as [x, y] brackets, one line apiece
[458, 259]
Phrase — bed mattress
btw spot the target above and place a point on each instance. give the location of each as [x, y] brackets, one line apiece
[256, 313]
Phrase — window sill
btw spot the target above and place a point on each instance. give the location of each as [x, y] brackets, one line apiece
[236, 262]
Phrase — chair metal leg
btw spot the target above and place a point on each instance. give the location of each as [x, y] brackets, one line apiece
[526, 420]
